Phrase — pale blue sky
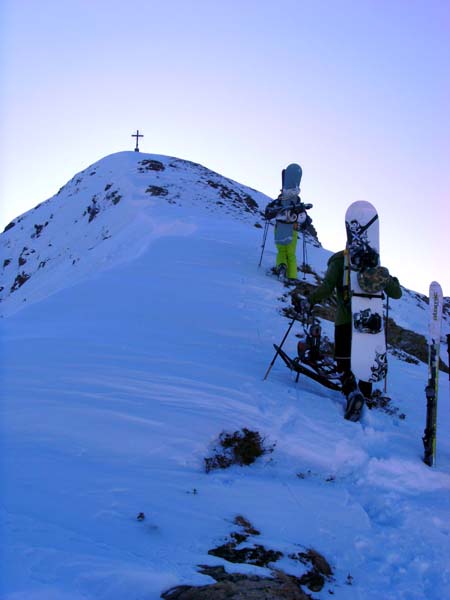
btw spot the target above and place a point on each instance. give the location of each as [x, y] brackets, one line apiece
[357, 92]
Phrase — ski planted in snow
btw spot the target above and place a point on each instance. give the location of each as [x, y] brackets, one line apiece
[431, 390]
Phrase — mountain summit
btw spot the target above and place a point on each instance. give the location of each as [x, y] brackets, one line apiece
[109, 213]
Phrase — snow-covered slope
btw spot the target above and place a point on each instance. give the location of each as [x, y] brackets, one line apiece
[110, 213]
[145, 335]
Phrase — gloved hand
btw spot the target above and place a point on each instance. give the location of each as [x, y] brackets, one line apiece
[305, 307]
[272, 209]
[301, 305]
[301, 218]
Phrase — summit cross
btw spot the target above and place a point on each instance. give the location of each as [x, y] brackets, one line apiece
[137, 135]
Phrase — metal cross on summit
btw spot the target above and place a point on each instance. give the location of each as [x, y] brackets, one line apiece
[137, 135]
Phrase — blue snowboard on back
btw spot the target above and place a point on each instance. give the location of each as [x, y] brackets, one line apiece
[291, 177]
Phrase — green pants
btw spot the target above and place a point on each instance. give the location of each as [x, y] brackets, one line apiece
[286, 256]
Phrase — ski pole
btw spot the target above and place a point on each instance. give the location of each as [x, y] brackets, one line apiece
[448, 352]
[266, 227]
[386, 335]
[279, 348]
[304, 256]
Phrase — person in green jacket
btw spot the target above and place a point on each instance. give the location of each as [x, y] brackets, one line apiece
[334, 281]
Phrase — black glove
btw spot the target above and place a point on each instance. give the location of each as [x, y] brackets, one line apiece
[272, 209]
[301, 305]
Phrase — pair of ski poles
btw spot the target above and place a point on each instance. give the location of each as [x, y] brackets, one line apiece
[266, 228]
[279, 347]
[263, 245]
[297, 317]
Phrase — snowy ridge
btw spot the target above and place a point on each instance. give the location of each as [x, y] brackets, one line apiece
[108, 213]
[118, 381]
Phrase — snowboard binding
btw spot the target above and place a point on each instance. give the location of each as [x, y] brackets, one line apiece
[367, 322]
[362, 253]
[362, 256]
[314, 350]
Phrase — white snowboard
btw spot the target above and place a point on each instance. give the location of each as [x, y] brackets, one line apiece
[368, 353]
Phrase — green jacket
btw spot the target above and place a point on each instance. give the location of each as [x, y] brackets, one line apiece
[334, 280]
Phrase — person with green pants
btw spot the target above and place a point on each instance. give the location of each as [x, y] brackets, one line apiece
[286, 236]
[288, 222]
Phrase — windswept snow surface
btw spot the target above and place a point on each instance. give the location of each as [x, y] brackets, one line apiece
[116, 387]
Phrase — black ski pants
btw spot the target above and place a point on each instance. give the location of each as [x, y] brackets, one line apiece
[342, 353]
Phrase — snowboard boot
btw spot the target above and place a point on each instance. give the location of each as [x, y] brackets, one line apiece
[348, 383]
[365, 387]
[281, 271]
[355, 403]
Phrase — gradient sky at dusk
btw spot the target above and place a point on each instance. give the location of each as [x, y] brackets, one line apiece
[357, 92]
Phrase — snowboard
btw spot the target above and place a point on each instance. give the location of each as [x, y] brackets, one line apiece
[368, 348]
[329, 380]
[289, 205]
[286, 207]
[291, 177]
[434, 339]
